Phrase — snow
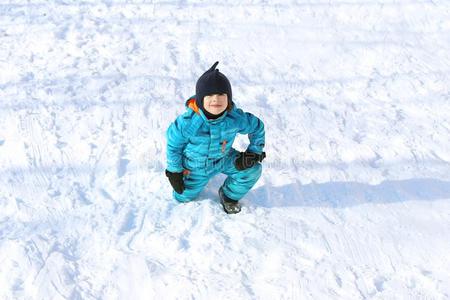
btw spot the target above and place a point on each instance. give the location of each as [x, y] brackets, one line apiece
[354, 200]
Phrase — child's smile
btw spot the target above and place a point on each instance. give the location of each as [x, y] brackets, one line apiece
[215, 103]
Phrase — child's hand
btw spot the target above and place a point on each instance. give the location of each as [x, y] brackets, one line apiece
[247, 160]
[176, 181]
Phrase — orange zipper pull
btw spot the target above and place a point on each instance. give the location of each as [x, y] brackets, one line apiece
[224, 144]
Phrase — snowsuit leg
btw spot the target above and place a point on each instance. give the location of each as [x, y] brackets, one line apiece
[193, 185]
[238, 183]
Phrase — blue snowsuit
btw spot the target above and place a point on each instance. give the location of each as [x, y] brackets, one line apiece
[204, 148]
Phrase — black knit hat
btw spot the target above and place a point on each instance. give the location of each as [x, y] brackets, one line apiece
[212, 82]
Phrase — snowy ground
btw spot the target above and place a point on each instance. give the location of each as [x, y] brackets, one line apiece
[354, 201]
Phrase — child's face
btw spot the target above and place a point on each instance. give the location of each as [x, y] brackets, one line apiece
[215, 103]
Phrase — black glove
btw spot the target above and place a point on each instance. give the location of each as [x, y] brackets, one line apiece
[247, 160]
[176, 181]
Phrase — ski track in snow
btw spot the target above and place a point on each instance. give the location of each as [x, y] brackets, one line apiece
[354, 198]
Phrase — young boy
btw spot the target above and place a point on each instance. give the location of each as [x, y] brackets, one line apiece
[199, 144]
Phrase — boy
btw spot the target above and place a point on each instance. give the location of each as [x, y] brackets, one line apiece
[199, 144]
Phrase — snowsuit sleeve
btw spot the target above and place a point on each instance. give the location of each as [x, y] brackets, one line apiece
[254, 127]
[176, 142]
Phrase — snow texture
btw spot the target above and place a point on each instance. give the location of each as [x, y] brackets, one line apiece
[354, 200]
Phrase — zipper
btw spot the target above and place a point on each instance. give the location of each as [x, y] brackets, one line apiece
[224, 144]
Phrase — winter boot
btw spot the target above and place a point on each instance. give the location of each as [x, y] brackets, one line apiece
[230, 206]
